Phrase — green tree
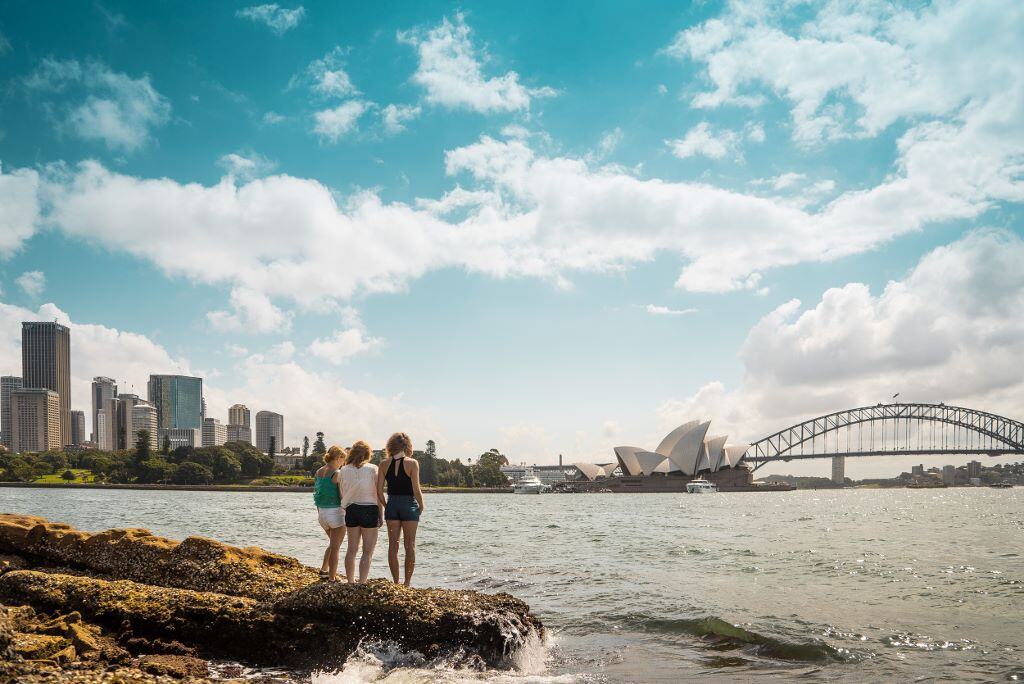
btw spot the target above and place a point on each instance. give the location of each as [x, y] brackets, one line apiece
[190, 473]
[166, 446]
[182, 454]
[226, 466]
[305, 447]
[155, 470]
[142, 450]
[428, 464]
[55, 461]
[67, 476]
[319, 448]
[17, 469]
[273, 446]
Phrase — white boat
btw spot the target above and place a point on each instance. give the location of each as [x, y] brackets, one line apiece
[530, 484]
[701, 487]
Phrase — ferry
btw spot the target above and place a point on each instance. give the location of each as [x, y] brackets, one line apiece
[530, 484]
[701, 487]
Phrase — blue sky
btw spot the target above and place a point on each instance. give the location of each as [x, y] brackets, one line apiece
[547, 228]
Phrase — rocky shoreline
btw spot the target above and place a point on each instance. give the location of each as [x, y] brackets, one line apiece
[126, 605]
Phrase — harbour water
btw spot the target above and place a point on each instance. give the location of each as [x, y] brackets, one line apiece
[865, 585]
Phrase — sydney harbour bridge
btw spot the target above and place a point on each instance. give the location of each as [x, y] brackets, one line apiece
[895, 429]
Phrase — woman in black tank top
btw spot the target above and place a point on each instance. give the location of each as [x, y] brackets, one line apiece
[401, 473]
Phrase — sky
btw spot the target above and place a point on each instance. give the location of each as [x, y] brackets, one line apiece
[547, 228]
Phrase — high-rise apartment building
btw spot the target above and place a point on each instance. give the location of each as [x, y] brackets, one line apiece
[103, 390]
[46, 363]
[178, 400]
[949, 474]
[269, 425]
[8, 383]
[77, 427]
[974, 469]
[144, 418]
[239, 433]
[104, 433]
[35, 420]
[215, 433]
[239, 415]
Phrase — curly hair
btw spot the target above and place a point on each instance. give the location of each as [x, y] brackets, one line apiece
[335, 452]
[359, 453]
[399, 443]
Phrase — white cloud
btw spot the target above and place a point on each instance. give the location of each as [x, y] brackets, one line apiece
[856, 68]
[251, 311]
[327, 76]
[702, 141]
[394, 117]
[278, 19]
[19, 208]
[32, 283]
[658, 310]
[104, 105]
[451, 71]
[948, 332]
[246, 165]
[272, 118]
[5, 44]
[344, 344]
[334, 124]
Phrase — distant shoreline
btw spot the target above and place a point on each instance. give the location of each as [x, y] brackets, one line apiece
[233, 488]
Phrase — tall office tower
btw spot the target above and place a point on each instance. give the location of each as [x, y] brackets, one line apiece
[46, 362]
[7, 384]
[215, 433]
[35, 420]
[202, 414]
[144, 418]
[103, 390]
[839, 469]
[239, 433]
[269, 424]
[77, 427]
[178, 400]
[103, 435]
[238, 415]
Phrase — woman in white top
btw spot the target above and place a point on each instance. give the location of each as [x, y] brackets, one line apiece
[364, 511]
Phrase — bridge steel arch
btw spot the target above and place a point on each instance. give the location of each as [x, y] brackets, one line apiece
[973, 432]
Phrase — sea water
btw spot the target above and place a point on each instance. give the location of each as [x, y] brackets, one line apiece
[856, 585]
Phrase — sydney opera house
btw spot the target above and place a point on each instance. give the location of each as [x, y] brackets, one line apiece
[686, 453]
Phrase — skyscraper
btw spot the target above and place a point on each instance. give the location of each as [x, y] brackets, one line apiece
[7, 384]
[269, 424]
[103, 390]
[35, 420]
[133, 415]
[46, 362]
[178, 400]
[239, 433]
[239, 415]
[144, 418]
[77, 427]
[215, 433]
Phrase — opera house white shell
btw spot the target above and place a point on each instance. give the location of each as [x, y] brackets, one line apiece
[687, 450]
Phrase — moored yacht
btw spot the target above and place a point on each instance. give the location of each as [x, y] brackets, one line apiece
[530, 484]
[701, 486]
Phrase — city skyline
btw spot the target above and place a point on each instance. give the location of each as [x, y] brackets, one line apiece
[452, 223]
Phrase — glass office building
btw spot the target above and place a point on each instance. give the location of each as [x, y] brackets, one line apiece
[178, 400]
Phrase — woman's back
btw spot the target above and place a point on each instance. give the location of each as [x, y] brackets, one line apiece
[359, 484]
[399, 482]
[325, 492]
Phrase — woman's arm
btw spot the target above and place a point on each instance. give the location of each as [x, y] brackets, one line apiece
[415, 477]
[382, 469]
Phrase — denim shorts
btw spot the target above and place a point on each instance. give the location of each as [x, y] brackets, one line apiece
[362, 515]
[402, 507]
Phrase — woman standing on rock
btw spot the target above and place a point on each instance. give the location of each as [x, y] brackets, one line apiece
[401, 472]
[327, 498]
[364, 509]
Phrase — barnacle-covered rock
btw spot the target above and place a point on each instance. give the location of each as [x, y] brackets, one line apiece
[195, 563]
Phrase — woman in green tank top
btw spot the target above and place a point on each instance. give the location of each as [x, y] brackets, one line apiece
[331, 515]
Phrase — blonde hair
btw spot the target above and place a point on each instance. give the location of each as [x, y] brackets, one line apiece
[399, 443]
[333, 453]
[359, 454]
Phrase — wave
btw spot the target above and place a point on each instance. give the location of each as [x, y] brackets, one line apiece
[725, 635]
[387, 662]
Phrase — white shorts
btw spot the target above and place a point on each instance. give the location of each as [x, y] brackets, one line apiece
[331, 518]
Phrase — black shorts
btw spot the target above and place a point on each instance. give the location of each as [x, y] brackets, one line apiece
[362, 515]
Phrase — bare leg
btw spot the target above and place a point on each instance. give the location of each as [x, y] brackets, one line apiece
[409, 537]
[394, 536]
[350, 553]
[337, 536]
[369, 535]
[327, 551]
